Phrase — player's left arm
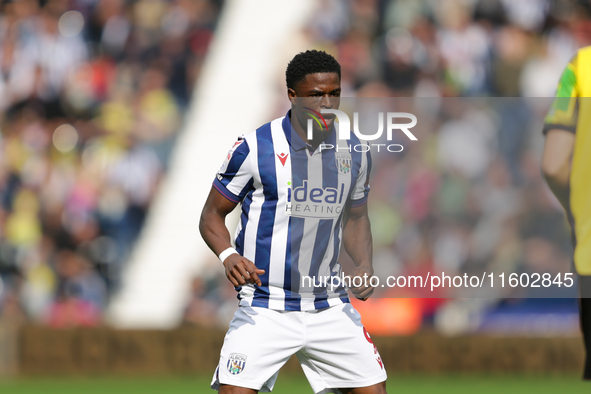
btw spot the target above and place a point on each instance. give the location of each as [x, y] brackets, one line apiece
[358, 243]
[357, 230]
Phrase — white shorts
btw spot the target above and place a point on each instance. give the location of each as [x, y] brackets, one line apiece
[331, 344]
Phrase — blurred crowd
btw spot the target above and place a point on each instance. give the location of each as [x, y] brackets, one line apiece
[469, 198]
[450, 47]
[92, 95]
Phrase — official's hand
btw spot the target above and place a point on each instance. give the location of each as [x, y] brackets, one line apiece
[240, 270]
[364, 291]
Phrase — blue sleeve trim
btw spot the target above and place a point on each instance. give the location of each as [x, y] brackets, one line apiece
[359, 203]
[219, 186]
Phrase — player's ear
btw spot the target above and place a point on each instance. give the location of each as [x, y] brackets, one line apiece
[292, 95]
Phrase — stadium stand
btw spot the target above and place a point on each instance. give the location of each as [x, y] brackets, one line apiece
[93, 94]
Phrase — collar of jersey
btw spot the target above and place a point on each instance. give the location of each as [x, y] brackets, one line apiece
[294, 139]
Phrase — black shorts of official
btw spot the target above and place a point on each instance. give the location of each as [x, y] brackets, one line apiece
[585, 314]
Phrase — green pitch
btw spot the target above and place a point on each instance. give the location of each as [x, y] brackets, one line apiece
[298, 385]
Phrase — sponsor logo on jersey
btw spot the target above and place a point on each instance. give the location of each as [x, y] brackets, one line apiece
[236, 363]
[308, 201]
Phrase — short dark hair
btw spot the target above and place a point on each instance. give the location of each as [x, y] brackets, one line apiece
[310, 62]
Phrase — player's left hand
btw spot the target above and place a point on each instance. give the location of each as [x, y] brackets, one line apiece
[364, 291]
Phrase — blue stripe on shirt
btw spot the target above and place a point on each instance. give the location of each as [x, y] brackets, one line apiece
[267, 172]
[299, 173]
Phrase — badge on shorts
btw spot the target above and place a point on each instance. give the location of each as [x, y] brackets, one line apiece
[236, 363]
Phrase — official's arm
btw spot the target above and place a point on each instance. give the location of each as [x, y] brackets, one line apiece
[556, 163]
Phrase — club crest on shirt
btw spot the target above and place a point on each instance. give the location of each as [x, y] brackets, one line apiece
[236, 363]
[343, 161]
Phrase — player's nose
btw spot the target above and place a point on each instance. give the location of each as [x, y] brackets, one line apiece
[326, 102]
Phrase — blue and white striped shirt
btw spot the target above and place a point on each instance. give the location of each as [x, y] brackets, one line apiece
[292, 211]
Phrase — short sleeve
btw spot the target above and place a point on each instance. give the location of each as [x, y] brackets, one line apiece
[234, 179]
[361, 189]
[563, 113]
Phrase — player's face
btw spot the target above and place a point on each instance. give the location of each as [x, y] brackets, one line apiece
[317, 91]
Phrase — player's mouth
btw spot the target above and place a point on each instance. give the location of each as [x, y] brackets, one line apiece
[329, 118]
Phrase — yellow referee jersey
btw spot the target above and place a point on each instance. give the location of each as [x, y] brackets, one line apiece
[571, 111]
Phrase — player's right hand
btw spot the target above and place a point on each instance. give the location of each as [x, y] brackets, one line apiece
[240, 270]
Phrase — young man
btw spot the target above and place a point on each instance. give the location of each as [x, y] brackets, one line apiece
[566, 164]
[299, 198]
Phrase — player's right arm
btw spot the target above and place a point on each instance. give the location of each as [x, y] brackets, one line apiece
[232, 183]
[239, 270]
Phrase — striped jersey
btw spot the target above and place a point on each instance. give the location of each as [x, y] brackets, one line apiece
[292, 202]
